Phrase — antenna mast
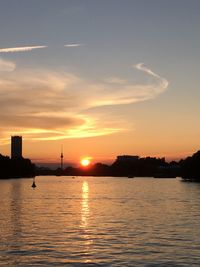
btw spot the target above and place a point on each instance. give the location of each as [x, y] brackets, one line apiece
[61, 158]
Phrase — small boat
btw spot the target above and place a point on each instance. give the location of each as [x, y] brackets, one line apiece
[33, 184]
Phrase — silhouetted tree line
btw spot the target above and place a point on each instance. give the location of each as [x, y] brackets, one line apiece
[16, 167]
[140, 167]
[190, 168]
[128, 166]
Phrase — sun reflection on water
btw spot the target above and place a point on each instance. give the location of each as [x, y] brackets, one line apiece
[85, 214]
[85, 205]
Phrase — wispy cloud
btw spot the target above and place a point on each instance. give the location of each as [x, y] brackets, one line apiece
[20, 49]
[47, 105]
[116, 80]
[143, 67]
[6, 65]
[73, 45]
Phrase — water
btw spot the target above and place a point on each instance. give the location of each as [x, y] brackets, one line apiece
[90, 221]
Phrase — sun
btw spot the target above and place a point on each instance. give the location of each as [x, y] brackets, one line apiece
[85, 162]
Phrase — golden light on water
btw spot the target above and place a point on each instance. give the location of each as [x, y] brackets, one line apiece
[85, 213]
[85, 205]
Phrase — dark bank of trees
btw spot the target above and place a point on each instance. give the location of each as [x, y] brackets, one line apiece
[16, 168]
[190, 168]
[128, 166]
[144, 167]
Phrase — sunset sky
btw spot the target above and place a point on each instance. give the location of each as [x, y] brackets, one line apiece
[100, 78]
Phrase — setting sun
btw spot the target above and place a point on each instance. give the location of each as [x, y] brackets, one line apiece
[85, 162]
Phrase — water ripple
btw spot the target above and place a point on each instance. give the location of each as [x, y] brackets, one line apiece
[99, 222]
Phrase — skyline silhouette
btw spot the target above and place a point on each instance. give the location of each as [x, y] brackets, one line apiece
[125, 165]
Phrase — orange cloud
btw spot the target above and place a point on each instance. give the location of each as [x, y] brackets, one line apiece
[47, 105]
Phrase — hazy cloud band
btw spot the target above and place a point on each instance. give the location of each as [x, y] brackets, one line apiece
[6, 65]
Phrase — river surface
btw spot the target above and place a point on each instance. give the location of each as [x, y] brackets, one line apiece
[87, 221]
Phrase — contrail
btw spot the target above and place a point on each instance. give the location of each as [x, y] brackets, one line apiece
[20, 49]
[73, 45]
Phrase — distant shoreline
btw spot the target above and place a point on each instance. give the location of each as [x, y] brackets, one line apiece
[124, 166]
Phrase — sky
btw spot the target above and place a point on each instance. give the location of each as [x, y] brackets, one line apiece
[100, 78]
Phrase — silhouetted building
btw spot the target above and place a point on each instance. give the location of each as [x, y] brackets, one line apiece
[16, 147]
[127, 158]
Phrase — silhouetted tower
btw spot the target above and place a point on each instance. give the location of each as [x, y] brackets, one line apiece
[16, 147]
[61, 159]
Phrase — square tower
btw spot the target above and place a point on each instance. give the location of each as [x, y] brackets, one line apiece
[16, 147]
